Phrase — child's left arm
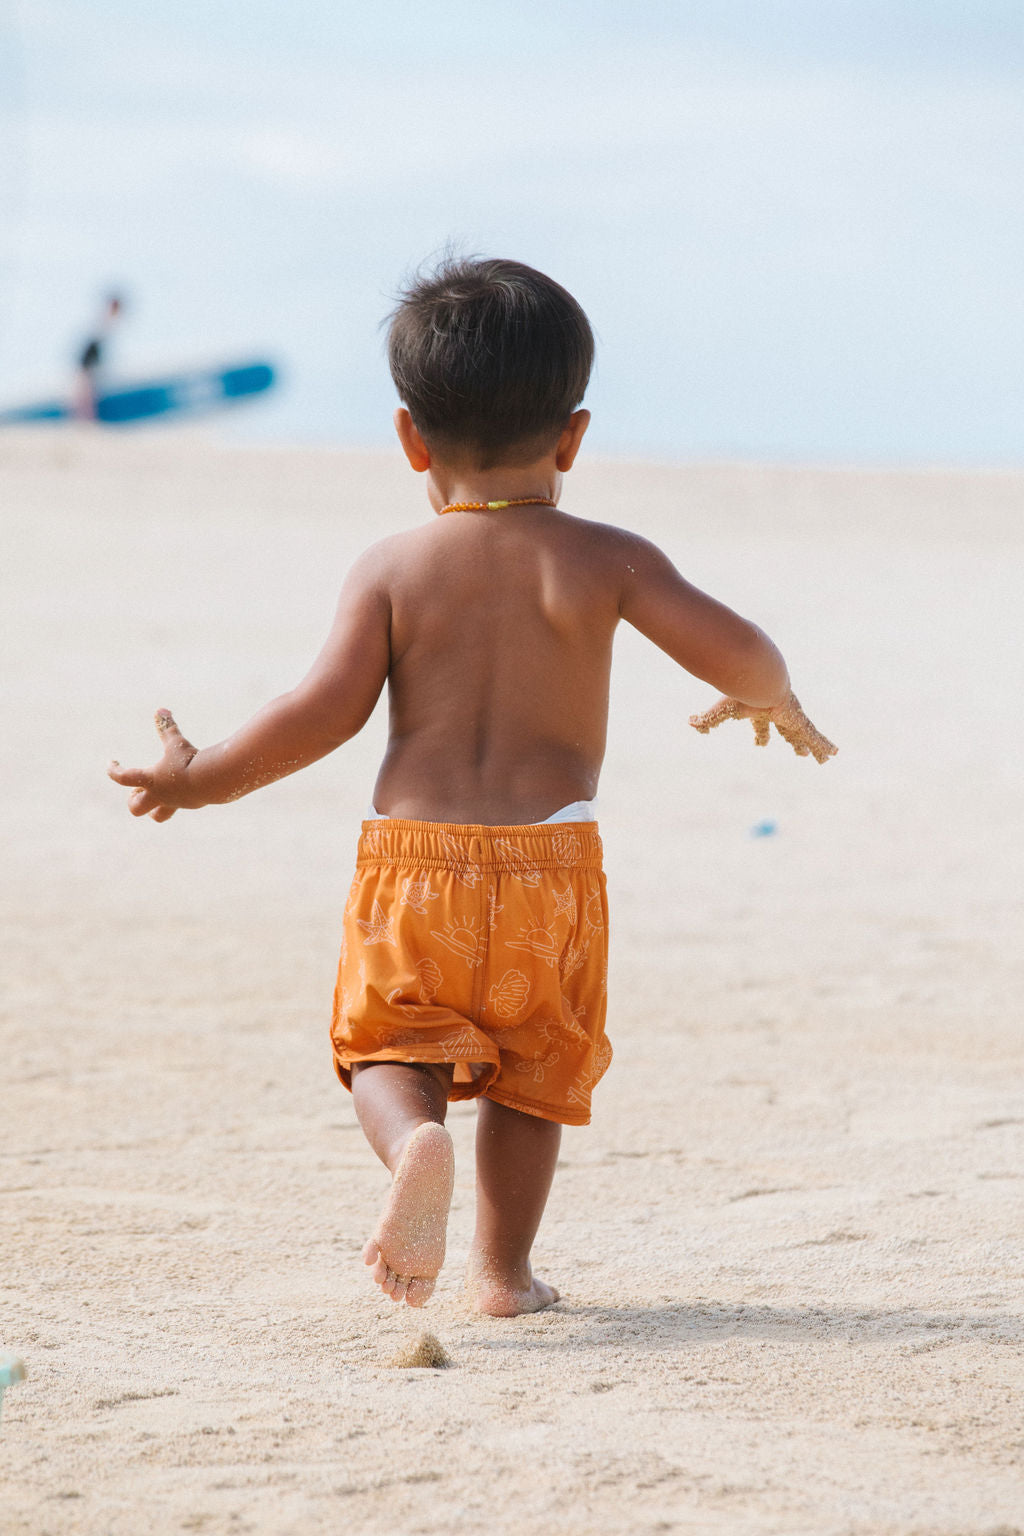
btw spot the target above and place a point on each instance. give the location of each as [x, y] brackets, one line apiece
[331, 704]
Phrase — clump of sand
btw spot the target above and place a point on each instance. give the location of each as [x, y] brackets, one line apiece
[426, 1351]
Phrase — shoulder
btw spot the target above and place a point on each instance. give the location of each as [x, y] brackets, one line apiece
[382, 561]
[609, 539]
[627, 558]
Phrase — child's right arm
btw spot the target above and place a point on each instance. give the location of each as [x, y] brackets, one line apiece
[331, 703]
[718, 646]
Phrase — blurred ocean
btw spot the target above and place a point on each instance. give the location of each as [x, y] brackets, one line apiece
[798, 229]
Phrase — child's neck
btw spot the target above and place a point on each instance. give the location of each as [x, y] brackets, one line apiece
[541, 482]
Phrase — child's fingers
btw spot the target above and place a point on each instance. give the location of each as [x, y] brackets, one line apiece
[821, 748]
[725, 709]
[170, 735]
[131, 778]
[809, 742]
[804, 737]
[163, 813]
[142, 801]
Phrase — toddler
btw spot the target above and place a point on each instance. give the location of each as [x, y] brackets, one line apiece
[474, 949]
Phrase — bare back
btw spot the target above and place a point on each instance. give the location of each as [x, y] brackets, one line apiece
[493, 631]
[500, 655]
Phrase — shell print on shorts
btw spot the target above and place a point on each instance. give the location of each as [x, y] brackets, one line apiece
[430, 978]
[463, 939]
[567, 847]
[508, 997]
[465, 872]
[537, 941]
[380, 929]
[516, 862]
[395, 1039]
[416, 895]
[429, 973]
[459, 1042]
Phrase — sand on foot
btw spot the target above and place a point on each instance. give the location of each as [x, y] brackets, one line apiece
[497, 1295]
[407, 1249]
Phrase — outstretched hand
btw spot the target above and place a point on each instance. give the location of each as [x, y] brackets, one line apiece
[788, 719]
[163, 789]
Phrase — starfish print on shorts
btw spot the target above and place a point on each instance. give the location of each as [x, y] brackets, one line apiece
[380, 929]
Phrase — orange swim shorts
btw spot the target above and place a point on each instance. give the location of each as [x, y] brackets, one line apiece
[482, 946]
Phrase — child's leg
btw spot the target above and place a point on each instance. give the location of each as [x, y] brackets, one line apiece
[515, 1163]
[401, 1108]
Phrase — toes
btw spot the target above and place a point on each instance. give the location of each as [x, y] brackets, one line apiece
[399, 1288]
[418, 1292]
[396, 1287]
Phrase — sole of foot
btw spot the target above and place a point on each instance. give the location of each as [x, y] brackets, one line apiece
[407, 1247]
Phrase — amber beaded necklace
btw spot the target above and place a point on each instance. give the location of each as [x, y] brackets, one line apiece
[494, 506]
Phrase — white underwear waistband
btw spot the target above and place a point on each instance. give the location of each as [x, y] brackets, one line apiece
[579, 810]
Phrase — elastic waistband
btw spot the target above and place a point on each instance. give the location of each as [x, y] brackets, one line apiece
[509, 850]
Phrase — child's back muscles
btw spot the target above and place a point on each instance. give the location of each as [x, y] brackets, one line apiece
[501, 638]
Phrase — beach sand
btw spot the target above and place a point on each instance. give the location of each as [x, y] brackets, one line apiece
[789, 1246]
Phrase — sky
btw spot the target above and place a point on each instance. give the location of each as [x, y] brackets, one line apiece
[797, 226]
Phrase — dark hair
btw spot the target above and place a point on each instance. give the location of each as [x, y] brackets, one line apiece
[489, 355]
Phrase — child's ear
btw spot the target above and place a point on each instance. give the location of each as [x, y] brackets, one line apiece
[413, 446]
[569, 443]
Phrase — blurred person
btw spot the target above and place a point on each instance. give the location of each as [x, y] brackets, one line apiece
[92, 359]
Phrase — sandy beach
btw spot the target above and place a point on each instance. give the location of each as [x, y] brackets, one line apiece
[789, 1246]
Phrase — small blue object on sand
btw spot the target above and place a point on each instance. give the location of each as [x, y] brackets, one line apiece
[764, 829]
[11, 1370]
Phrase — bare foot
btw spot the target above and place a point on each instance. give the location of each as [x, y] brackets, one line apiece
[500, 1295]
[407, 1248]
